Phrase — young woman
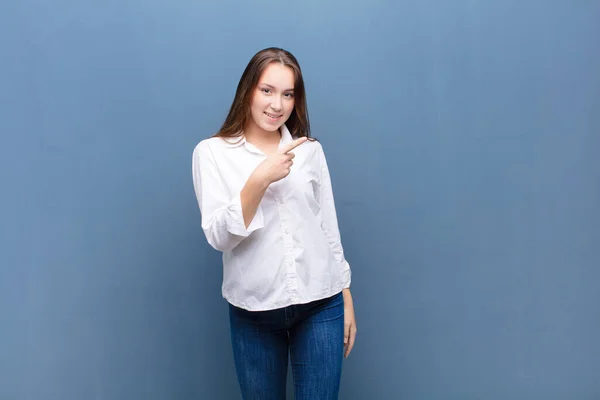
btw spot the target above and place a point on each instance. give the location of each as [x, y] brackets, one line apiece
[265, 196]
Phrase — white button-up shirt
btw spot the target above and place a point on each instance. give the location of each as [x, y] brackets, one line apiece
[291, 252]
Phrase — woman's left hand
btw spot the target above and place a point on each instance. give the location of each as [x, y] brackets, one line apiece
[349, 323]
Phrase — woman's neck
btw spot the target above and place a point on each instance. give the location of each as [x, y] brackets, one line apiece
[261, 137]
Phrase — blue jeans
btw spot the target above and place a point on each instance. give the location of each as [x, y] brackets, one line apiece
[312, 334]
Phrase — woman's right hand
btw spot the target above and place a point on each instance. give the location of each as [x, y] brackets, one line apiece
[277, 165]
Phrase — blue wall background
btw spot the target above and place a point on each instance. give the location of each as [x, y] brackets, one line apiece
[463, 140]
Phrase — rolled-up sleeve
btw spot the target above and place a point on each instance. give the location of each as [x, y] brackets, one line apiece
[222, 218]
[329, 222]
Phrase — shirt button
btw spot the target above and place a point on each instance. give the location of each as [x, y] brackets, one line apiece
[280, 201]
[287, 231]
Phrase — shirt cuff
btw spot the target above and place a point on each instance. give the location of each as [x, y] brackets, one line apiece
[346, 274]
[235, 219]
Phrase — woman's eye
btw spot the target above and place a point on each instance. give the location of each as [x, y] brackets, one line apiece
[266, 90]
[289, 95]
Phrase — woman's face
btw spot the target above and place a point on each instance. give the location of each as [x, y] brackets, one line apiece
[272, 102]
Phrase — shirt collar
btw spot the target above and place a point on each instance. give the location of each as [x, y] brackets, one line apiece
[286, 136]
[234, 141]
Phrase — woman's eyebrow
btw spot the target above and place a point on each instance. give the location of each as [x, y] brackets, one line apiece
[273, 87]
